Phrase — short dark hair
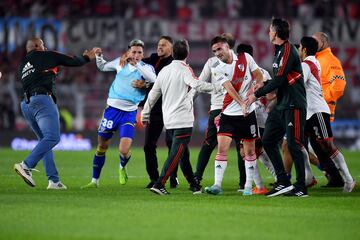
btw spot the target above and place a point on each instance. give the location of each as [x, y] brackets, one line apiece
[310, 44]
[136, 42]
[218, 39]
[230, 39]
[242, 47]
[281, 27]
[167, 38]
[180, 49]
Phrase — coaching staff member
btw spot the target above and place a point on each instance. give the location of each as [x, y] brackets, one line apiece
[289, 115]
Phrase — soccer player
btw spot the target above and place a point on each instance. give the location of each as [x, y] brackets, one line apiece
[333, 84]
[289, 114]
[173, 85]
[123, 100]
[223, 62]
[38, 72]
[318, 113]
[158, 60]
[237, 122]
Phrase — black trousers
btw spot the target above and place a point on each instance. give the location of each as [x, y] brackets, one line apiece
[179, 152]
[152, 133]
[289, 122]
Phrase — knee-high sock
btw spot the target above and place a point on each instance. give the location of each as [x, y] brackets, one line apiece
[264, 158]
[340, 163]
[250, 165]
[98, 163]
[257, 177]
[124, 159]
[308, 173]
[220, 166]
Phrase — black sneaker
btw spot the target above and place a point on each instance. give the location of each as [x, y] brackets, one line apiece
[150, 185]
[279, 188]
[174, 182]
[241, 188]
[195, 188]
[161, 190]
[296, 193]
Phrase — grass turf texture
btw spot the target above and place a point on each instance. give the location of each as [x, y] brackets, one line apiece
[132, 212]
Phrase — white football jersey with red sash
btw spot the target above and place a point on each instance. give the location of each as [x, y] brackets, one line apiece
[242, 82]
[314, 97]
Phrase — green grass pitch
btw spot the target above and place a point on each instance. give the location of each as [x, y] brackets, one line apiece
[132, 212]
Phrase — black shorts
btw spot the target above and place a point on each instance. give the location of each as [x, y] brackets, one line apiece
[239, 127]
[318, 126]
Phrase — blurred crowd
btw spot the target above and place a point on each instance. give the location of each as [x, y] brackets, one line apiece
[182, 9]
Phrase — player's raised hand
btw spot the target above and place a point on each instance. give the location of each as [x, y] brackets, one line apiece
[97, 50]
[125, 58]
[90, 54]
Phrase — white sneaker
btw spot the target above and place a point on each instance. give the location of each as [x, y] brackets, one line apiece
[58, 186]
[25, 173]
[349, 186]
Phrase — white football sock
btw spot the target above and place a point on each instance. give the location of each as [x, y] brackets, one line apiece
[264, 158]
[250, 164]
[220, 167]
[308, 173]
[340, 163]
[257, 177]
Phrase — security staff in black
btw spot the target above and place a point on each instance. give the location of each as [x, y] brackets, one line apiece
[288, 117]
[41, 69]
[153, 130]
[38, 71]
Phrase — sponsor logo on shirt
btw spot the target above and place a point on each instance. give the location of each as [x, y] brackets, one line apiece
[28, 69]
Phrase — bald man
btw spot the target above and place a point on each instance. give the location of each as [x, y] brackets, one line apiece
[332, 74]
[333, 84]
[37, 72]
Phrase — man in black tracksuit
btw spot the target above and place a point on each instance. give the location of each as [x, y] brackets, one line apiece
[289, 115]
[153, 130]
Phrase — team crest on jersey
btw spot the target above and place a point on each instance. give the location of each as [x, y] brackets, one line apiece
[241, 67]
